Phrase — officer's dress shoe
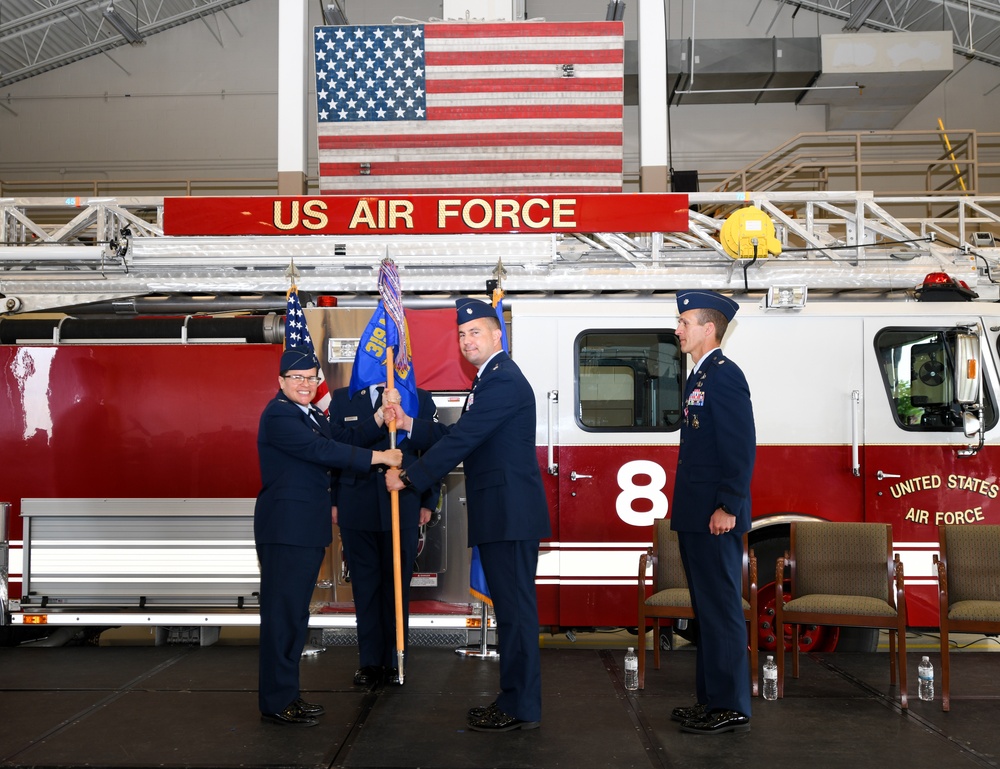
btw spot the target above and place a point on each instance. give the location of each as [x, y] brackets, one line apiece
[392, 676]
[688, 713]
[480, 711]
[290, 716]
[718, 722]
[309, 708]
[369, 675]
[497, 721]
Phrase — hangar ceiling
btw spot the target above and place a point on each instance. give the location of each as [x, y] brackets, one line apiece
[40, 35]
[974, 24]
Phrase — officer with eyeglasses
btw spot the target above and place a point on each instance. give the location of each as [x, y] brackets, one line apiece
[293, 523]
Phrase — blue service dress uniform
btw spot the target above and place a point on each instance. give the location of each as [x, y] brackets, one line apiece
[364, 515]
[293, 524]
[508, 514]
[714, 467]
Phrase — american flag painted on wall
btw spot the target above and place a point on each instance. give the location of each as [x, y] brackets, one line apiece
[466, 107]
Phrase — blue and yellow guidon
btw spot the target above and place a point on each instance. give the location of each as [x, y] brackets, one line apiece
[369, 362]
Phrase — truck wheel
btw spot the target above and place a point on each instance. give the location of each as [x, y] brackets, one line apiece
[857, 639]
[811, 638]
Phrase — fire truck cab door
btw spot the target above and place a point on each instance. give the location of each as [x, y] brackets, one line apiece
[915, 477]
[615, 372]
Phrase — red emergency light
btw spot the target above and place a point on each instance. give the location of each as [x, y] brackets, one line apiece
[941, 287]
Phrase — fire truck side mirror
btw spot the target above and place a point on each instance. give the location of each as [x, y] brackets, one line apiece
[970, 423]
[967, 368]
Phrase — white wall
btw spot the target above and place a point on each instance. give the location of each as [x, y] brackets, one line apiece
[969, 98]
[186, 106]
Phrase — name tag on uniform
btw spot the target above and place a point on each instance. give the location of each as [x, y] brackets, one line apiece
[350, 419]
[696, 398]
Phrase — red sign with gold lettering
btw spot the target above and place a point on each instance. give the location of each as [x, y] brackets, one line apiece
[426, 214]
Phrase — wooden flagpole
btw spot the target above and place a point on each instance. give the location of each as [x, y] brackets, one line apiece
[397, 570]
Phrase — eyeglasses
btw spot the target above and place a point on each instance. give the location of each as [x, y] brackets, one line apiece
[299, 379]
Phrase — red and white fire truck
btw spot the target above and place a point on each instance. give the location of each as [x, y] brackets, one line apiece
[870, 340]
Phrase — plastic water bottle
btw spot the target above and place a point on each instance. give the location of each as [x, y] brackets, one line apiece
[770, 679]
[631, 670]
[925, 680]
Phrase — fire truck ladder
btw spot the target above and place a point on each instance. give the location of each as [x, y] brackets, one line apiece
[59, 254]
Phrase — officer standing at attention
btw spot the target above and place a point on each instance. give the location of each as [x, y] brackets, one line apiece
[711, 512]
[494, 438]
[293, 524]
[363, 511]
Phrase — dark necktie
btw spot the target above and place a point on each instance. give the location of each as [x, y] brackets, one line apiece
[689, 382]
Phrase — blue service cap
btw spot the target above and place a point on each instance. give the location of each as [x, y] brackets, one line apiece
[706, 300]
[470, 309]
[297, 359]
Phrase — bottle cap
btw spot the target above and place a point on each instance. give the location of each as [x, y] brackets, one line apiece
[631, 649]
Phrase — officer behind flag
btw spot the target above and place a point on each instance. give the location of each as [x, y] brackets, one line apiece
[292, 523]
[494, 438]
[362, 511]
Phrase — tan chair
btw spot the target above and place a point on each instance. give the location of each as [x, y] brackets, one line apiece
[842, 574]
[671, 599]
[968, 587]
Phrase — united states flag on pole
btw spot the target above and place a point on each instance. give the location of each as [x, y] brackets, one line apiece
[297, 335]
[463, 107]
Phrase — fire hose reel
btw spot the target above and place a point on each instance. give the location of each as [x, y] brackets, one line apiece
[745, 226]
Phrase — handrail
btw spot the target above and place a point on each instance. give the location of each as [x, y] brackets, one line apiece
[874, 159]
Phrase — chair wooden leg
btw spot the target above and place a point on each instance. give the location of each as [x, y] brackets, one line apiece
[641, 649]
[902, 668]
[795, 651]
[892, 657]
[779, 650]
[945, 669]
[656, 643]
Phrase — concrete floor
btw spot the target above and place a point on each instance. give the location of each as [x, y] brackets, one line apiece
[134, 706]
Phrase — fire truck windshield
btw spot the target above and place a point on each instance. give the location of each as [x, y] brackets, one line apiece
[919, 372]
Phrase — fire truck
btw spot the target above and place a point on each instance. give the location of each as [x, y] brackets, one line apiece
[868, 331]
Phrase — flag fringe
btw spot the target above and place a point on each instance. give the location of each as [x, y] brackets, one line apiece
[480, 597]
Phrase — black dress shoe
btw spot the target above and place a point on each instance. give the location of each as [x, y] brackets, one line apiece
[479, 712]
[497, 721]
[369, 675]
[290, 716]
[392, 677]
[718, 722]
[689, 713]
[309, 708]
